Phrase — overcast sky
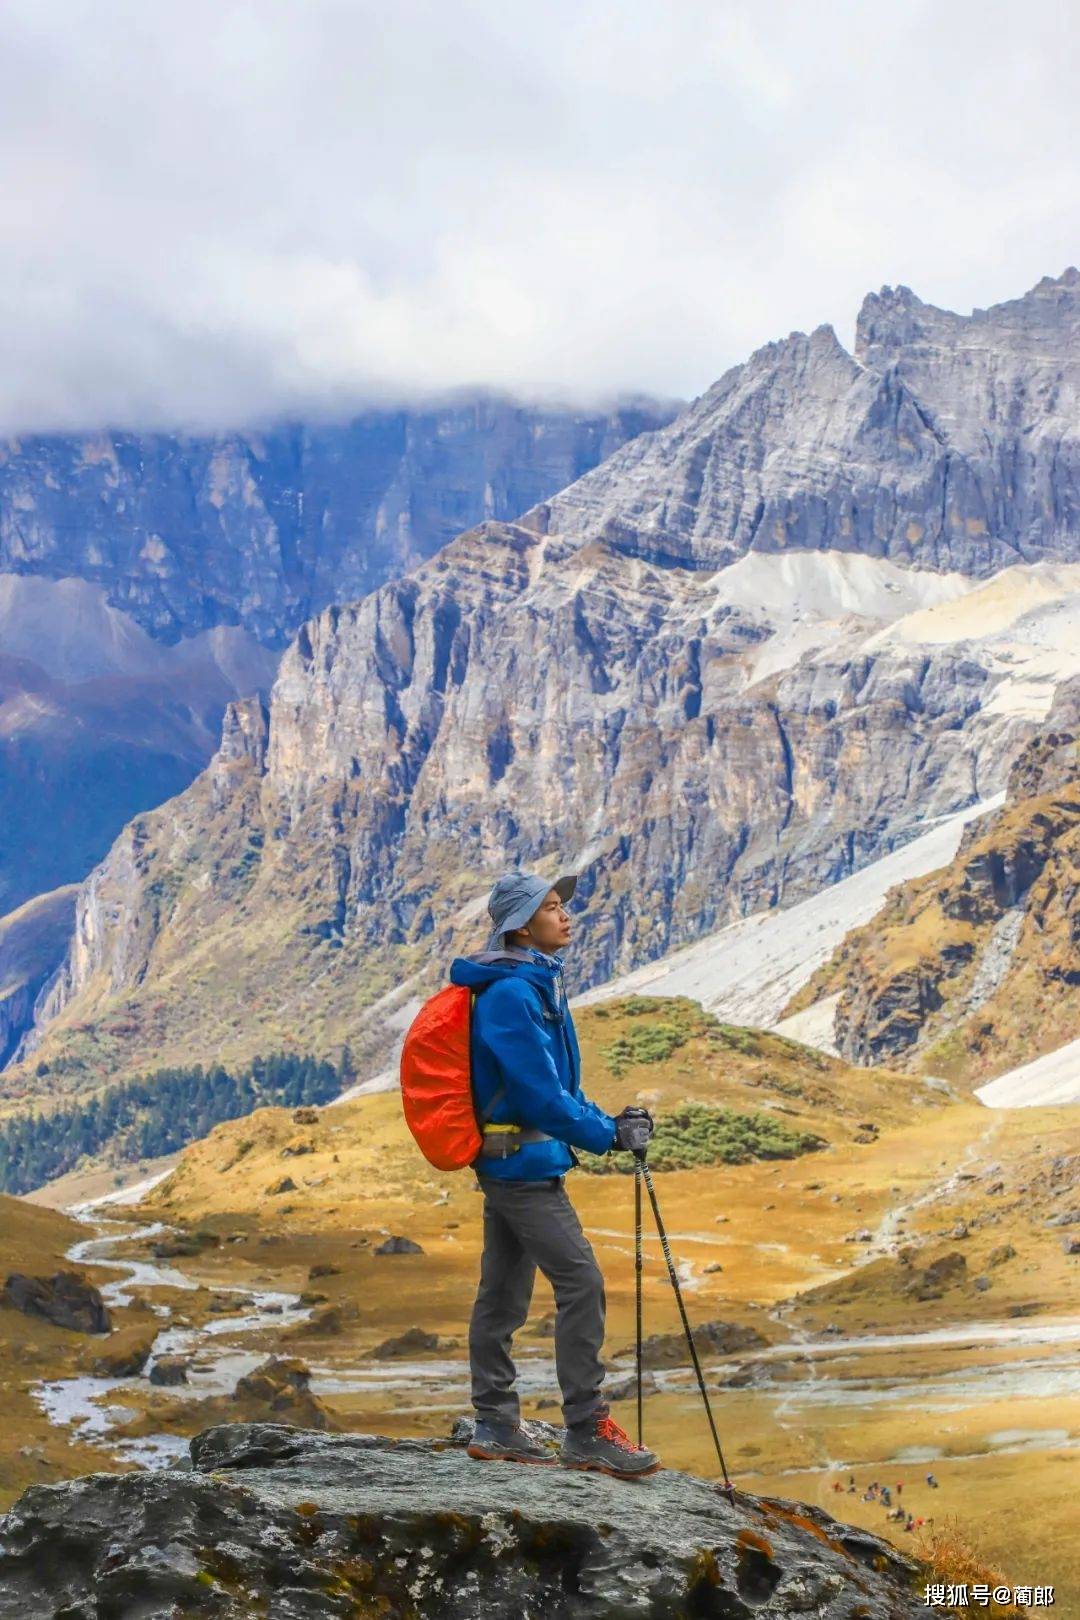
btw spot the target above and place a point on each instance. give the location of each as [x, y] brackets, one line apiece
[213, 213]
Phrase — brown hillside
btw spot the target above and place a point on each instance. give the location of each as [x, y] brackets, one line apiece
[976, 968]
[665, 1050]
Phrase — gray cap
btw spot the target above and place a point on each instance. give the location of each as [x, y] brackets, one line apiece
[516, 896]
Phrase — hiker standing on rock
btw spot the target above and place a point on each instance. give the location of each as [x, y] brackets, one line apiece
[526, 1083]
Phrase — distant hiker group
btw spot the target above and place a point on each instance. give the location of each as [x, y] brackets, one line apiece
[877, 1492]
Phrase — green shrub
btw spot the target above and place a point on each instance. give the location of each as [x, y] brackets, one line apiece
[650, 1043]
[699, 1134]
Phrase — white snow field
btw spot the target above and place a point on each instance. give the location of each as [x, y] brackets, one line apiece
[748, 971]
[1046, 1081]
[813, 1026]
[1025, 619]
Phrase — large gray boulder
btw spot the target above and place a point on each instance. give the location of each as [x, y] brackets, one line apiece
[282, 1522]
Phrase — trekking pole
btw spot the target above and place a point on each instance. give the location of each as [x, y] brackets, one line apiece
[727, 1488]
[637, 1284]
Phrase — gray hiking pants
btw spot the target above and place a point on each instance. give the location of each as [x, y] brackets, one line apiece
[529, 1224]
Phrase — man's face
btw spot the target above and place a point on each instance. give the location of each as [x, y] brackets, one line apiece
[549, 925]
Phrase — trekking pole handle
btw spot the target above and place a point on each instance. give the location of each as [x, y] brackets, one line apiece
[633, 1128]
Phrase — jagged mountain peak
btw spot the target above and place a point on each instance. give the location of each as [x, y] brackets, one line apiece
[934, 444]
[820, 341]
[1044, 321]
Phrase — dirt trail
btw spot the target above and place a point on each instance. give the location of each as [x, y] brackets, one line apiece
[887, 1236]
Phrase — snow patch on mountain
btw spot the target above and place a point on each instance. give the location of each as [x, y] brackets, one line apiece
[747, 972]
[830, 584]
[1026, 619]
[1047, 1081]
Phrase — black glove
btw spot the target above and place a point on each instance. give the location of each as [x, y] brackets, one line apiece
[633, 1128]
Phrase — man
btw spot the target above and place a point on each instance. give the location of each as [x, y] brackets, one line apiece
[526, 1080]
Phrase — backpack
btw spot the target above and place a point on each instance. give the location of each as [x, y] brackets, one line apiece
[436, 1081]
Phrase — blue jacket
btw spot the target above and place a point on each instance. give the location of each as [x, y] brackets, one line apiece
[523, 1040]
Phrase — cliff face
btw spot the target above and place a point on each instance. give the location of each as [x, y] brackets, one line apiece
[282, 1521]
[517, 700]
[98, 721]
[945, 441]
[977, 967]
[32, 940]
[263, 529]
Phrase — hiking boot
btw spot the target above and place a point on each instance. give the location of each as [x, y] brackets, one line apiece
[505, 1442]
[602, 1445]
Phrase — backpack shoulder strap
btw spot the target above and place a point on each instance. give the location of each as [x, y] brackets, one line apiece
[484, 1114]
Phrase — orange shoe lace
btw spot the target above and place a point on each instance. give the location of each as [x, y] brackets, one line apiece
[608, 1429]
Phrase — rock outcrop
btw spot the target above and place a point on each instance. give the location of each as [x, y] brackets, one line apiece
[711, 1338]
[297, 1525]
[125, 1354]
[65, 1299]
[168, 1371]
[280, 1389]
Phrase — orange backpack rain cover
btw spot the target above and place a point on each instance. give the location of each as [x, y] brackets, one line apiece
[436, 1087]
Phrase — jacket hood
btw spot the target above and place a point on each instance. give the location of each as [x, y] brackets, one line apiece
[485, 967]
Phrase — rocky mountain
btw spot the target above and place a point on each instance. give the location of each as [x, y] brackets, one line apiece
[945, 441]
[314, 1524]
[976, 967]
[262, 529]
[146, 581]
[699, 737]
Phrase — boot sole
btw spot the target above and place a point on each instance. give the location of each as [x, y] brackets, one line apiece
[483, 1454]
[616, 1473]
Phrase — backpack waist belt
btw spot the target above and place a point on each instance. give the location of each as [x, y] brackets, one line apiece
[500, 1141]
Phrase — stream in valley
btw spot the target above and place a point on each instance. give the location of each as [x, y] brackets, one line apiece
[811, 1373]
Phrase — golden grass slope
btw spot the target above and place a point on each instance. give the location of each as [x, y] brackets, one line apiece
[360, 1153]
[765, 1244]
[34, 1240]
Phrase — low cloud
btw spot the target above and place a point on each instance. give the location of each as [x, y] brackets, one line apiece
[218, 213]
